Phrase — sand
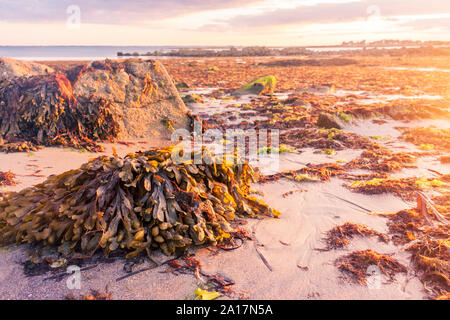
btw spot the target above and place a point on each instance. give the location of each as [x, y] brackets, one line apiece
[306, 217]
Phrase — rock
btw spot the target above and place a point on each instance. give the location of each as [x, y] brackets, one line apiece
[104, 100]
[193, 98]
[328, 121]
[297, 101]
[212, 69]
[257, 87]
[142, 95]
[182, 85]
[10, 68]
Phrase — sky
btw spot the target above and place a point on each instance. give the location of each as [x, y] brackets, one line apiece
[220, 22]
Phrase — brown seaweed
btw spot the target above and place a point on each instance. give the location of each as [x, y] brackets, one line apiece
[356, 264]
[340, 236]
[141, 202]
[42, 110]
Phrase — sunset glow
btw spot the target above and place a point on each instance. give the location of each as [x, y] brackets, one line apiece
[256, 22]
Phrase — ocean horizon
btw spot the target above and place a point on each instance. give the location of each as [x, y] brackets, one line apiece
[44, 53]
[81, 52]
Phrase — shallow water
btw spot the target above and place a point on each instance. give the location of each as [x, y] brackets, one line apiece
[417, 69]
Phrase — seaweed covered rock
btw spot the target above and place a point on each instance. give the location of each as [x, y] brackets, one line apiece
[98, 101]
[10, 68]
[329, 121]
[138, 203]
[142, 95]
[259, 86]
[42, 110]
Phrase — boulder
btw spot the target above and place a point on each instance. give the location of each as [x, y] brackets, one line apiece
[259, 86]
[10, 68]
[329, 121]
[193, 98]
[103, 100]
[141, 93]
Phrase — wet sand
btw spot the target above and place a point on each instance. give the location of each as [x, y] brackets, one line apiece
[306, 217]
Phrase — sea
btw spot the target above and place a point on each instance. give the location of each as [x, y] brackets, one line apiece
[43, 53]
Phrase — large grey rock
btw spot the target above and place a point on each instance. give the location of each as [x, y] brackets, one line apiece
[142, 94]
[10, 68]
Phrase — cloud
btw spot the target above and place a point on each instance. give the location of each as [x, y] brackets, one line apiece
[428, 24]
[107, 12]
[340, 12]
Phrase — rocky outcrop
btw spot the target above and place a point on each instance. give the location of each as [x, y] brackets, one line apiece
[10, 68]
[100, 101]
[141, 93]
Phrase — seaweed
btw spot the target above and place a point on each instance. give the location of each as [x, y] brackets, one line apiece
[436, 138]
[339, 236]
[432, 260]
[355, 265]
[214, 282]
[42, 111]
[95, 295]
[425, 232]
[310, 173]
[326, 139]
[382, 160]
[406, 188]
[141, 202]
[7, 179]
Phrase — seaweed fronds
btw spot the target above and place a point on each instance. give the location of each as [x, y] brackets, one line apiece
[382, 160]
[431, 258]
[310, 173]
[339, 236]
[406, 188]
[7, 179]
[142, 202]
[356, 264]
[326, 139]
[43, 111]
[95, 295]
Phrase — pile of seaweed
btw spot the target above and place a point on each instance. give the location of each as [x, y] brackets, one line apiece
[424, 231]
[138, 203]
[42, 110]
[311, 173]
[382, 160]
[339, 236]
[7, 179]
[431, 258]
[356, 264]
